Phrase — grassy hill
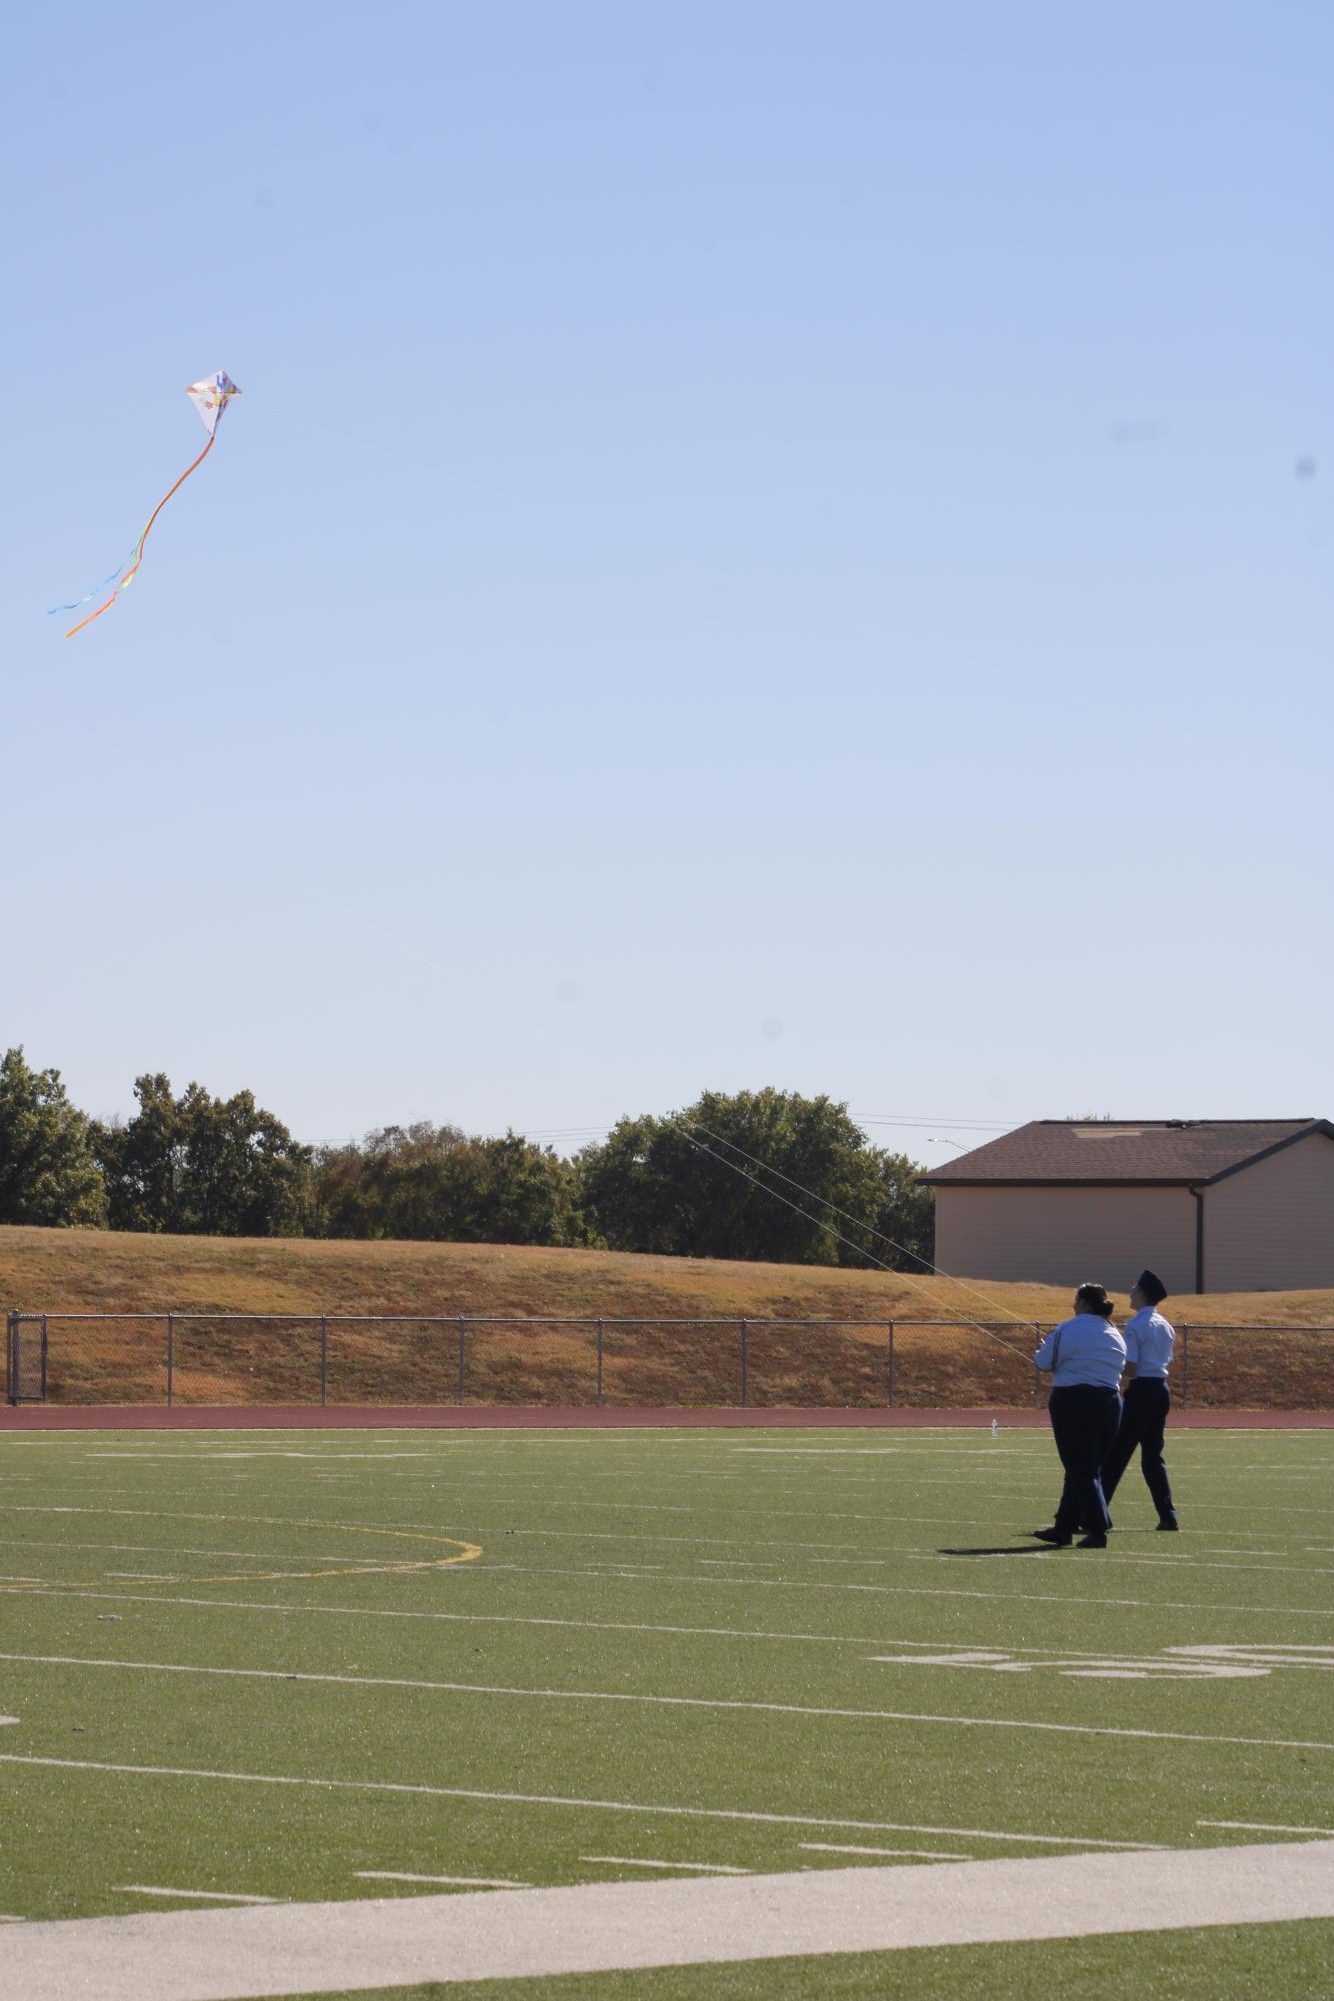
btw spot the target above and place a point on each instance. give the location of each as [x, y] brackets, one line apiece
[101, 1272]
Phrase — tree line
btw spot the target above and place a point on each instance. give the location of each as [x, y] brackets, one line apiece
[761, 1174]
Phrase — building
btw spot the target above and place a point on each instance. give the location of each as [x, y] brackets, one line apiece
[1211, 1205]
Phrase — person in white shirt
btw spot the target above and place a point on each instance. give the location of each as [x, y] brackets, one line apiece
[1085, 1356]
[1149, 1341]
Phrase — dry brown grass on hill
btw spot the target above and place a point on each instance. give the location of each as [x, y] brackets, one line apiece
[104, 1273]
[116, 1272]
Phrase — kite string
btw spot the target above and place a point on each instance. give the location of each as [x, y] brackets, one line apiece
[139, 545]
[880, 1235]
[821, 1223]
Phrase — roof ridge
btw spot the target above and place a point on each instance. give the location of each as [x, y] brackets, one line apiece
[1307, 1119]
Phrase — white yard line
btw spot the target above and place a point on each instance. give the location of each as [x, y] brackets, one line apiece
[416, 1788]
[283, 1608]
[1266, 1827]
[204, 1896]
[1089, 1598]
[734, 1703]
[856, 1848]
[177, 1550]
[638, 1862]
[597, 1927]
[468, 1882]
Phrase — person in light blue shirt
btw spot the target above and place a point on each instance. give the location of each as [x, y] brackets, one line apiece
[1085, 1356]
[1149, 1341]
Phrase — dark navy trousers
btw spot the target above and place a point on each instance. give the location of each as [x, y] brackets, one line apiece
[1084, 1421]
[1148, 1401]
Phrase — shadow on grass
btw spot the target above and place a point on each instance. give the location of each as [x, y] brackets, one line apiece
[1005, 1549]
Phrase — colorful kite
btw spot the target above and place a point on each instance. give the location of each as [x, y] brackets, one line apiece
[210, 397]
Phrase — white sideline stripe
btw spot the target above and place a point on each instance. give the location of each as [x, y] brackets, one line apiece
[1266, 1827]
[470, 1882]
[11, 1921]
[858, 1848]
[637, 1862]
[419, 1789]
[206, 1896]
[602, 1927]
[672, 1701]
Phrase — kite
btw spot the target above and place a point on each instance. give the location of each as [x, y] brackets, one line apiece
[210, 398]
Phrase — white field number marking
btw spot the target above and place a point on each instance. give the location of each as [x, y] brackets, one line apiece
[1172, 1664]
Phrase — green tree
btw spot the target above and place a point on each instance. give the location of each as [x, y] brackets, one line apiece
[434, 1182]
[906, 1217]
[142, 1159]
[242, 1173]
[204, 1166]
[759, 1175]
[48, 1173]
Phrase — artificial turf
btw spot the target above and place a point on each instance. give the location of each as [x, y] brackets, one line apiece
[691, 1647]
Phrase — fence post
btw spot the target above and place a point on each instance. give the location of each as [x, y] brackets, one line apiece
[171, 1357]
[745, 1383]
[599, 1361]
[1185, 1364]
[11, 1355]
[324, 1359]
[461, 1357]
[1037, 1373]
[43, 1358]
[889, 1367]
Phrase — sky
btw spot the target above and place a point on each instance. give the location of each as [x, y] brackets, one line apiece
[760, 544]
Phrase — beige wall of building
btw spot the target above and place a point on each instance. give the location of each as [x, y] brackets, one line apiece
[1270, 1227]
[1063, 1236]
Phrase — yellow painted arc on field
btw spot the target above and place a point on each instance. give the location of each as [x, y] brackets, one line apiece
[467, 1552]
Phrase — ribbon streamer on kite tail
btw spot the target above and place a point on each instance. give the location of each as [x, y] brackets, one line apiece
[210, 396]
[76, 604]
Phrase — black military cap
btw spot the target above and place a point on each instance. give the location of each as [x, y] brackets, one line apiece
[1152, 1287]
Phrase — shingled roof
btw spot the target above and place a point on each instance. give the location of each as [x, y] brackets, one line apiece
[1174, 1151]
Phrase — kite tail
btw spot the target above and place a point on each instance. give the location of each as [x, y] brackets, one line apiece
[76, 604]
[138, 552]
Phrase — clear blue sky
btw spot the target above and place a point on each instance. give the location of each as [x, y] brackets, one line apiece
[761, 543]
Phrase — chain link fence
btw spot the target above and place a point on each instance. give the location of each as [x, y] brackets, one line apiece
[227, 1358]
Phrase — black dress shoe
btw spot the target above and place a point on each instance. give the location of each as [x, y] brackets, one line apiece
[1057, 1536]
[1169, 1522]
[1092, 1542]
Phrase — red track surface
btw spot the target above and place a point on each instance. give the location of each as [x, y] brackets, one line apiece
[580, 1417]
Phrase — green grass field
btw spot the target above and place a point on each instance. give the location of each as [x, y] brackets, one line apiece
[314, 1666]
